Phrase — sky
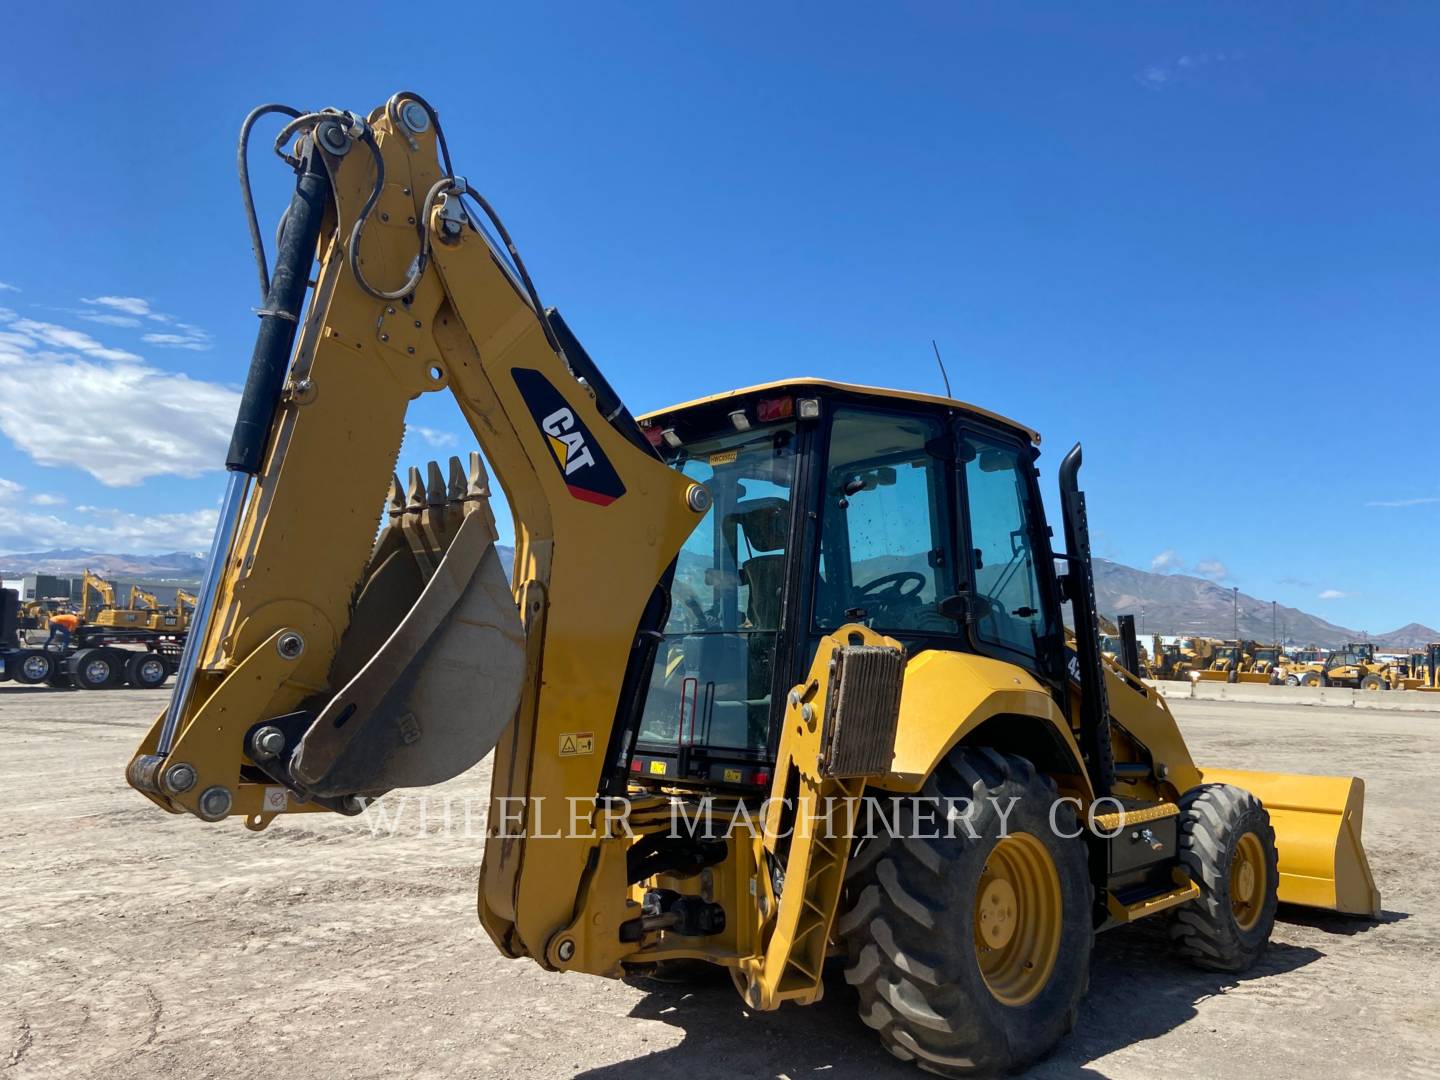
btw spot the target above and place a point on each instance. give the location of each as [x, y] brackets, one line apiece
[1204, 239]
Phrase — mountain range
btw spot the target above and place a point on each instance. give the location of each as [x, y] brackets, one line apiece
[1161, 603]
[1181, 604]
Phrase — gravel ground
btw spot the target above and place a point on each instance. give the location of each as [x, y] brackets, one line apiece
[139, 944]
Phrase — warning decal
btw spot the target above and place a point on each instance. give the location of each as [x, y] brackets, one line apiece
[577, 743]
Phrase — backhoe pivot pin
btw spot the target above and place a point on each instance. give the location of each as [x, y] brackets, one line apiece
[178, 778]
[215, 803]
[266, 743]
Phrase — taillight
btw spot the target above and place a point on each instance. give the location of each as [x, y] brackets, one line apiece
[768, 409]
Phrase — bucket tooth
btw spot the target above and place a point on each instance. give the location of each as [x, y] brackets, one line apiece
[414, 492]
[434, 484]
[395, 500]
[425, 557]
[478, 484]
[456, 487]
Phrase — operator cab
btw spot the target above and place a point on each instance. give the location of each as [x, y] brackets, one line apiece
[832, 504]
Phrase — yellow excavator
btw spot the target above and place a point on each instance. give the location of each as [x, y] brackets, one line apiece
[184, 605]
[780, 673]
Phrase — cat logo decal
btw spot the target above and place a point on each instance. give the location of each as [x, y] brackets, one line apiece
[588, 474]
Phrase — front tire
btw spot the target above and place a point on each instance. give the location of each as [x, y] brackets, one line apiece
[1227, 846]
[970, 954]
[1372, 682]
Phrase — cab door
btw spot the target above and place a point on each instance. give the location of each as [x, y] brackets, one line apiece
[1014, 602]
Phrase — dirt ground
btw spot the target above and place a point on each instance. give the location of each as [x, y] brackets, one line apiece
[133, 943]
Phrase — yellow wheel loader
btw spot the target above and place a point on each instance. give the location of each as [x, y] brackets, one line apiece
[780, 674]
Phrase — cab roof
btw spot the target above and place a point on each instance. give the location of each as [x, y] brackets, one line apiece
[799, 385]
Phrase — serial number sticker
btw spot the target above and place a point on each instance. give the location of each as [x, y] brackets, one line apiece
[724, 457]
[733, 776]
[276, 799]
[577, 743]
[658, 768]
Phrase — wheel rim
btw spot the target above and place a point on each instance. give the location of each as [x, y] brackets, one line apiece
[1017, 919]
[1247, 881]
[35, 667]
[97, 671]
[151, 670]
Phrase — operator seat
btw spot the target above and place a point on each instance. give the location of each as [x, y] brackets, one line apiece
[766, 526]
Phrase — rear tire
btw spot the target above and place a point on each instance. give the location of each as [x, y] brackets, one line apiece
[958, 994]
[30, 667]
[1227, 846]
[1292, 680]
[95, 669]
[1310, 679]
[146, 671]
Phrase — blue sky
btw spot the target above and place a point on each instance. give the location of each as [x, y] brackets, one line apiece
[1205, 239]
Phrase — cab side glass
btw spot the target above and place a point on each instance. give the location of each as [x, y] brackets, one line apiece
[1012, 611]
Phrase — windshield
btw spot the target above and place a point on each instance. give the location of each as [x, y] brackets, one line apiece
[1265, 656]
[712, 677]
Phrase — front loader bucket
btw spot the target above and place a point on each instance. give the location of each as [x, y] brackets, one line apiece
[1317, 823]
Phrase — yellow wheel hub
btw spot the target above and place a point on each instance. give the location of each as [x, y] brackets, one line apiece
[1018, 919]
[1248, 881]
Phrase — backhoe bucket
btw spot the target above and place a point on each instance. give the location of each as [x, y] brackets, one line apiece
[423, 698]
[1317, 823]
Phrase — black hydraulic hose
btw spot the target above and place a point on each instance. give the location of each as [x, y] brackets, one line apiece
[242, 164]
[280, 317]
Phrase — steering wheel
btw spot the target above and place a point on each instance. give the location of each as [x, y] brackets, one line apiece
[891, 588]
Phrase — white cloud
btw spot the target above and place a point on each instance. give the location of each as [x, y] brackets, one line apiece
[130, 305]
[432, 436]
[1213, 569]
[109, 320]
[121, 423]
[183, 336]
[1153, 77]
[1167, 561]
[1419, 500]
[62, 337]
[1159, 76]
[22, 529]
[1332, 594]
[47, 499]
[5, 286]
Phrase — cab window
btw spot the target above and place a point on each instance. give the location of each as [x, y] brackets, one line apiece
[1008, 606]
[713, 673]
[886, 528]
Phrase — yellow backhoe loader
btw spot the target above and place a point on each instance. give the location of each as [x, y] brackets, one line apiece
[1260, 664]
[1226, 659]
[780, 673]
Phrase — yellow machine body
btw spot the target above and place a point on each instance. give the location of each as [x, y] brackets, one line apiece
[327, 662]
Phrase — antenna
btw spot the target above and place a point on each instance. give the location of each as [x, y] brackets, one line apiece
[942, 367]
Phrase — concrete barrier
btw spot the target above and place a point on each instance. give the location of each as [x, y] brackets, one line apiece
[1334, 697]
